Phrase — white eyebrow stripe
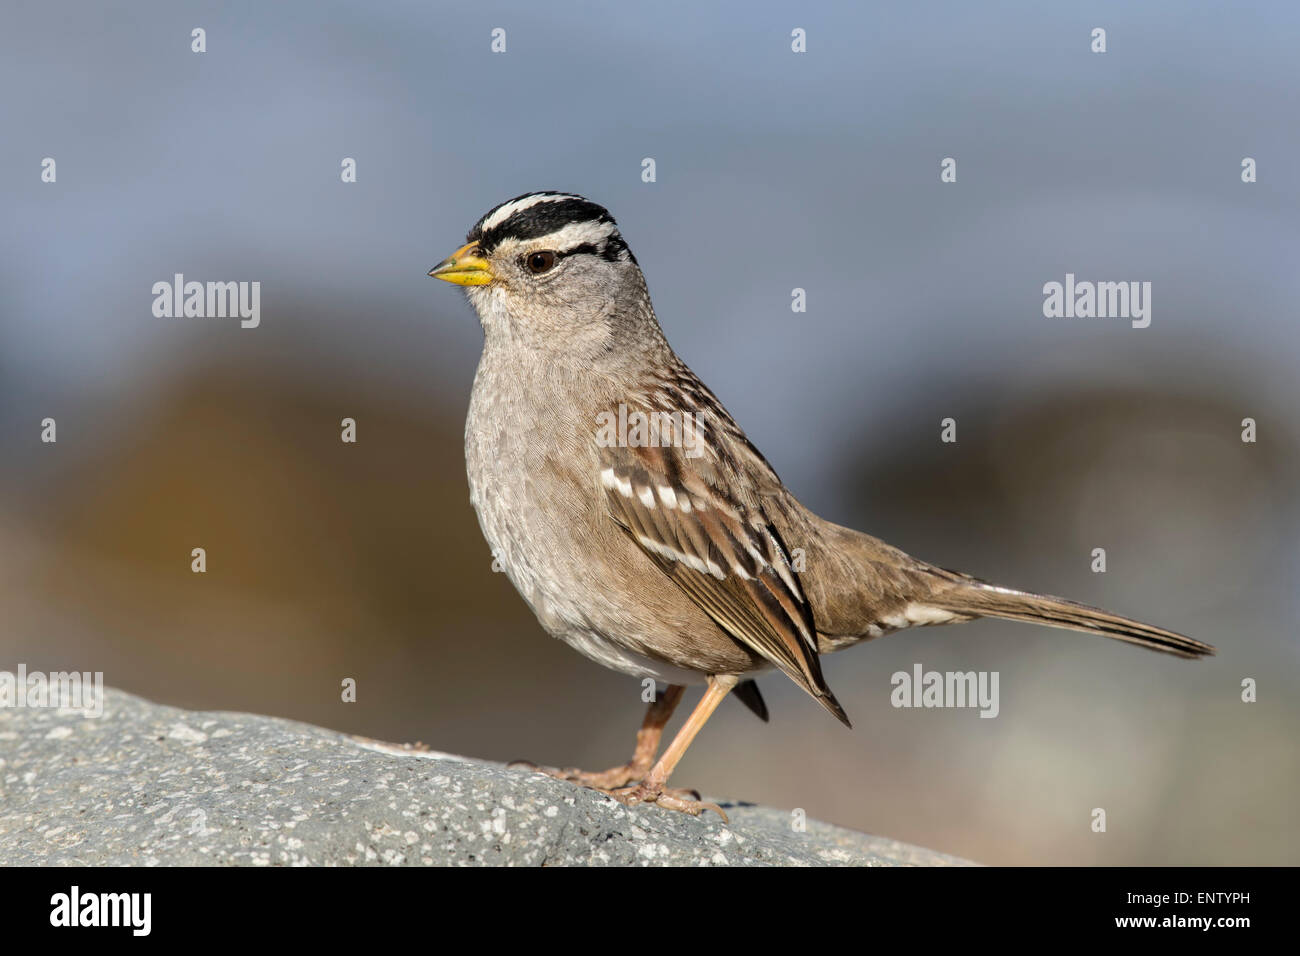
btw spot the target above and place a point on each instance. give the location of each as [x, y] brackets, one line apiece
[561, 240]
[576, 234]
[504, 212]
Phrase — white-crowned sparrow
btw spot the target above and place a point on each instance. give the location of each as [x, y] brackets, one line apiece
[635, 517]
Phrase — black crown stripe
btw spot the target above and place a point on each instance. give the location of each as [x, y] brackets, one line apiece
[537, 220]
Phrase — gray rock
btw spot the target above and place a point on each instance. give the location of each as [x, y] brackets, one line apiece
[147, 785]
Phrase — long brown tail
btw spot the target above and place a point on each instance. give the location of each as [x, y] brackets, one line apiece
[969, 596]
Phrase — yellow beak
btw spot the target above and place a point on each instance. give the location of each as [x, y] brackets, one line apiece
[464, 267]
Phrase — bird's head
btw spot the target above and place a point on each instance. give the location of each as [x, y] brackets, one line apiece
[549, 267]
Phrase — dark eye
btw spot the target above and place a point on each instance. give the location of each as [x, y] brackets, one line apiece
[539, 262]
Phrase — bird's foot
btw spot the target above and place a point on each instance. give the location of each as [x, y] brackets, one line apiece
[670, 798]
[604, 780]
[615, 781]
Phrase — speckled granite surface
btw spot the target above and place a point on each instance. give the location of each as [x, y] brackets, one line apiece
[151, 785]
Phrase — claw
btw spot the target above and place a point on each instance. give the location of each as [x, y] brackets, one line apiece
[615, 781]
[669, 799]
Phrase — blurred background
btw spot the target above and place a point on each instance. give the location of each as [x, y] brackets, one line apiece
[779, 170]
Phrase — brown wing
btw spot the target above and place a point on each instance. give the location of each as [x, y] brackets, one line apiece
[700, 518]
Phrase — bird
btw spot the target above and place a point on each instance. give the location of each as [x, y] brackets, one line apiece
[642, 526]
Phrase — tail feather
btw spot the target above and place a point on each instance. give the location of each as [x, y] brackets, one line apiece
[977, 599]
